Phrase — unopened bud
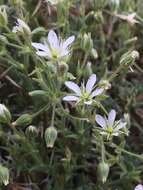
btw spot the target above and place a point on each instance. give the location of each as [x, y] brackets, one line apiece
[129, 58]
[105, 84]
[103, 171]
[31, 130]
[3, 39]
[88, 69]
[87, 42]
[21, 28]
[127, 119]
[94, 53]
[50, 136]
[114, 4]
[3, 16]
[38, 93]
[5, 116]
[4, 175]
[23, 120]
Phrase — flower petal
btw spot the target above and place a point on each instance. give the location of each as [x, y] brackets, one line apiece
[120, 126]
[65, 52]
[139, 187]
[40, 46]
[74, 87]
[90, 83]
[97, 92]
[100, 120]
[88, 102]
[111, 117]
[42, 53]
[68, 42]
[53, 39]
[70, 98]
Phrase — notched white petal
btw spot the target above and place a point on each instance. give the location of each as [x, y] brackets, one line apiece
[68, 42]
[90, 83]
[97, 92]
[120, 126]
[74, 87]
[53, 39]
[40, 46]
[100, 120]
[42, 53]
[70, 98]
[111, 117]
[88, 102]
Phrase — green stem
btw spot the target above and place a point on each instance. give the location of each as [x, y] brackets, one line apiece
[130, 153]
[102, 151]
[53, 115]
[40, 111]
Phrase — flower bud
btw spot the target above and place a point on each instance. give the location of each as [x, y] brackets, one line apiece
[3, 16]
[127, 119]
[87, 43]
[5, 116]
[114, 4]
[4, 175]
[88, 70]
[38, 93]
[103, 171]
[3, 39]
[22, 28]
[129, 58]
[23, 120]
[105, 84]
[94, 53]
[31, 130]
[50, 136]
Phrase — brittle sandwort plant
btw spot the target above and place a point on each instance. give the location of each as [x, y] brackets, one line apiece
[71, 94]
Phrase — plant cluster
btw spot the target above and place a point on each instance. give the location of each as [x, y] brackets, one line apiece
[71, 94]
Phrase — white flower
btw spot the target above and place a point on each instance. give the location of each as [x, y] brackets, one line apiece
[21, 28]
[84, 94]
[110, 127]
[139, 187]
[55, 48]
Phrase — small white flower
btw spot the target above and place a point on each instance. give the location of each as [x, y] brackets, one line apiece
[21, 27]
[84, 94]
[55, 48]
[139, 187]
[110, 127]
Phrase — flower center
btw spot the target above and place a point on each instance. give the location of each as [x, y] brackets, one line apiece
[85, 96]
[55, 53]
[110, 130]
